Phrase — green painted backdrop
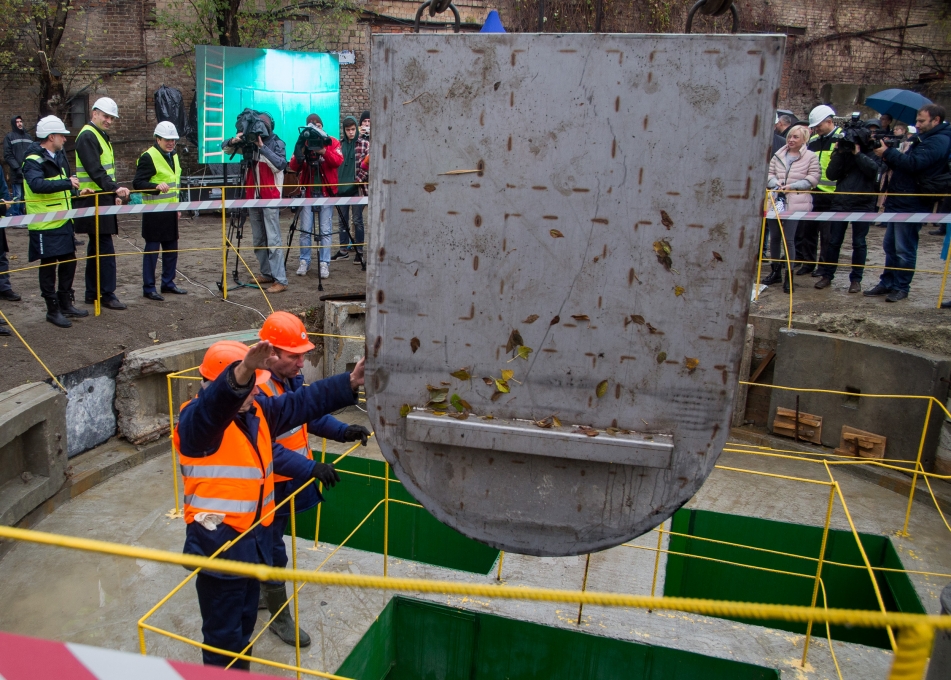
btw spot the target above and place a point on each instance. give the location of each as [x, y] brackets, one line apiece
[416, 640]
[846, 587]
[414, 533]
[288, 85]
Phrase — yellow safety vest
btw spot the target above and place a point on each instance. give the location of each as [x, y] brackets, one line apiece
[165, 174]
[44, 203]
[825, 184]
[106, 158]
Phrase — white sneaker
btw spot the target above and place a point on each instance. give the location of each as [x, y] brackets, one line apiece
[302, 269]
[324, 270]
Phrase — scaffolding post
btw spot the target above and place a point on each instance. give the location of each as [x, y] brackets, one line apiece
[815, 587]
[320, 488]
[171, 436]
[498, 576]
[914, 477]
[98, 306]
[584, 584]
[294, 583]
[386, 515]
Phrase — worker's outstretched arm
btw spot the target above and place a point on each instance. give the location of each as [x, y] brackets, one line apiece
[312, 402]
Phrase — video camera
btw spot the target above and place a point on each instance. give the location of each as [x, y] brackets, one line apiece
[886, 138]
[252, 128]
[311, 143]
[854, 133]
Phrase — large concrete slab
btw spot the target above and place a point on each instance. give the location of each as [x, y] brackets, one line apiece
[142, 385]
[815, 360]
[533, 191]
[32, 448]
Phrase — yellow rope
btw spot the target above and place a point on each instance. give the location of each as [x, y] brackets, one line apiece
[30, 350]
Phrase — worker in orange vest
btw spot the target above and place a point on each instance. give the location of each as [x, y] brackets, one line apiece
[288, 336]
[224, 442]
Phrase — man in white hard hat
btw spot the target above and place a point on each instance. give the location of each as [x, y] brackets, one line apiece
[822, 143]
[48, 186]
[158, 175]
[96, 169]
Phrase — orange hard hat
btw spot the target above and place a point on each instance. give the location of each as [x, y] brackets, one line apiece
[286, 331]
[224, 353]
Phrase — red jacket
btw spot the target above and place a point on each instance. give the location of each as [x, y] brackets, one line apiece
[333, 159]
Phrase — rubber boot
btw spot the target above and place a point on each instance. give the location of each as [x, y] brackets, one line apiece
[283, 625]
[787, 280]
[66, 305]
[775, 274]
[54, 316]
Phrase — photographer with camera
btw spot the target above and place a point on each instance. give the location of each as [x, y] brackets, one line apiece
[855, 169]
[264, 160]
[316, 159]
[926, 158]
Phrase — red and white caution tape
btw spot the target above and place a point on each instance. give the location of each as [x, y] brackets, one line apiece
[24, 658]
[932, 218]
[25, 220]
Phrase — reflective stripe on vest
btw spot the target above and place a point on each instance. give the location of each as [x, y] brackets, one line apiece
[825, 156]
[295, 439]
[43, 203]
[235, 481]
[163, 175]
[106, 159]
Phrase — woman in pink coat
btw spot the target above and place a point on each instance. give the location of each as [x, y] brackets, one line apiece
[792, 168]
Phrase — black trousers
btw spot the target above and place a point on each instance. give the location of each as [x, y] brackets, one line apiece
[229, 609]
[66, 269]
[807, 236]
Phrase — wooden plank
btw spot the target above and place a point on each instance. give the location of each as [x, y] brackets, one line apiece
[810, 425]
[855, 442]
[762, 367]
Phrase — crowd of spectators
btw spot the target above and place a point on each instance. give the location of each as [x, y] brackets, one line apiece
[872, 166]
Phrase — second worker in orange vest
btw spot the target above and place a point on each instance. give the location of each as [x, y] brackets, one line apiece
[224, 442]
[288, 336]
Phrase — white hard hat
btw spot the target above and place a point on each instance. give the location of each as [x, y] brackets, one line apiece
[819, 114]
[166, 130]
[107, 106]
[50, 125]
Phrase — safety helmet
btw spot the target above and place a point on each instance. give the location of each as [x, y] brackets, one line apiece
[224, 353]
[819, 114]
[50, 125]
[106, 105]
[166, 130]
[286, 331]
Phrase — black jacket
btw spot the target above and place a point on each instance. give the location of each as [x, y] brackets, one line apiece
[15, 146]
[89, 151]
[854, 173]
[779, 139]
[928, 156]
[37, 173]
[157, 226]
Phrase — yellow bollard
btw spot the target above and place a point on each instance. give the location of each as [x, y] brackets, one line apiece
[914, 648]
[98, 306]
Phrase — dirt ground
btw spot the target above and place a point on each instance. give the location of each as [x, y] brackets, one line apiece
[913, 322]
[201, 312]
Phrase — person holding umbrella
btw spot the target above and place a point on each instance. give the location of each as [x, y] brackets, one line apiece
[927, 157]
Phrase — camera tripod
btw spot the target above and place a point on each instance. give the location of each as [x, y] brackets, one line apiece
[236, 224]
[316, 237]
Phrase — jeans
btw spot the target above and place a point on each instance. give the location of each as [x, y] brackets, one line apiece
[776, 239]
[833, 234]
[16, 191]
[107, 267]
[5, 267]
[267, 242]
[325, 218]
[150, 259]
[901, 250]
[66, 268]
[229, 609]
[344, 212]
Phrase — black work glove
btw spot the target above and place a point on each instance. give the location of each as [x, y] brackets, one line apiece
[325, 474]
[355, 433]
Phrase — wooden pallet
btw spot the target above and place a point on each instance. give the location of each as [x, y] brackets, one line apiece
[855, 442]
[810, 425]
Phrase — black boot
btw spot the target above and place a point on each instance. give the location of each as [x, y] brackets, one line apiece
[54, 316]
[283, 625]
[66, 304]
[787, 280]
[775, 274]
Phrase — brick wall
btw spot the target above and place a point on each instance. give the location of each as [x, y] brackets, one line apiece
[822, 65]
